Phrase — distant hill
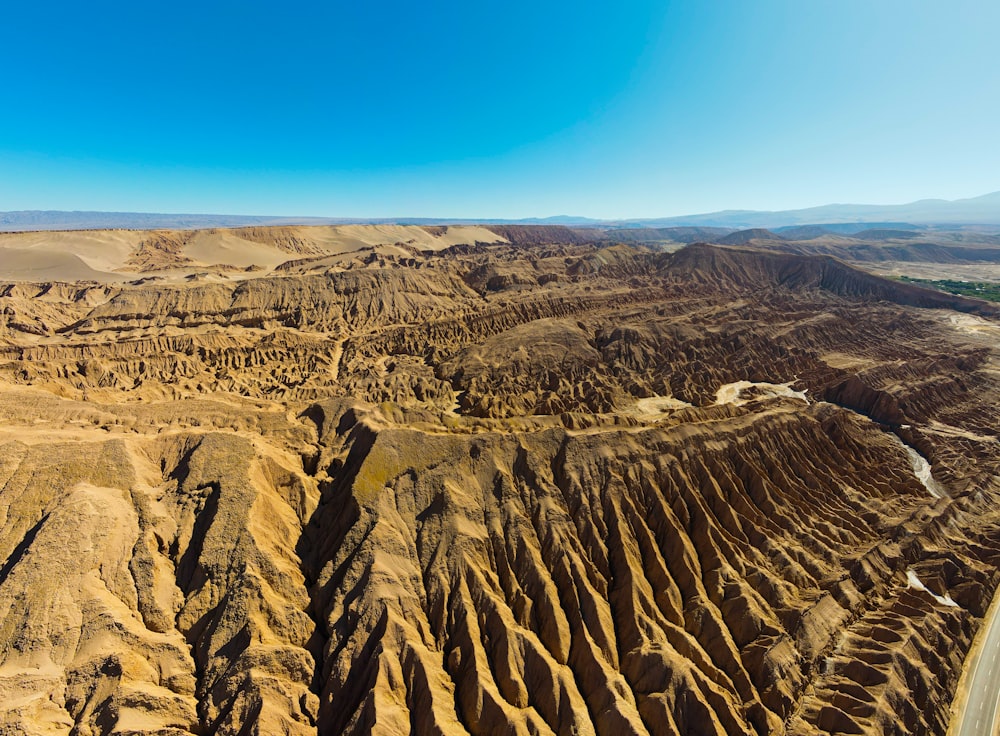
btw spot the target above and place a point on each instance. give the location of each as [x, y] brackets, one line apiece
[984, 210]
[645, 235]
[793, 232]
[537, 234]
[837, 218]
[804, 232]
[741, 237]
[886, 234]
[813, 232]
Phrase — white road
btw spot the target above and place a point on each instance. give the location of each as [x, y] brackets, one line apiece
[980, 715]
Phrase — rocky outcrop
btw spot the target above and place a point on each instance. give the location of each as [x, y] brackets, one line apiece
[539, 234]
[152, 585]
[159, 251]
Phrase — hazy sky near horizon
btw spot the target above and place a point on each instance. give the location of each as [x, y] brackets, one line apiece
[515, 109]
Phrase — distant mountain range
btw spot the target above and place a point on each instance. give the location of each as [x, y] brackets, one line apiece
[984, 210]
[60, 220]
[77, 220]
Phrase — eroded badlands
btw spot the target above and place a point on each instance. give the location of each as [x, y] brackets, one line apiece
[526, 488]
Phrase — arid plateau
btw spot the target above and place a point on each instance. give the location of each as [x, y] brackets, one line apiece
[493, 480]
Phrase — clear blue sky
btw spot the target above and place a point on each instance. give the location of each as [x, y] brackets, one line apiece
[513, 109]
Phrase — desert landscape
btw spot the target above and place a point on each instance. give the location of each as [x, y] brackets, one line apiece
[500, 369]
[494, 479]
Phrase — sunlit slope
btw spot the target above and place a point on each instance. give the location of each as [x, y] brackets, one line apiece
[100, 255]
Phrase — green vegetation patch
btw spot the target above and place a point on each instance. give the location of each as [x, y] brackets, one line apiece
[977, 289]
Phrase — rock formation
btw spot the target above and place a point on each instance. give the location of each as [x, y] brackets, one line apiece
[523, 488]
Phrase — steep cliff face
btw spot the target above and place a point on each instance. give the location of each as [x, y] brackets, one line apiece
[532, 489]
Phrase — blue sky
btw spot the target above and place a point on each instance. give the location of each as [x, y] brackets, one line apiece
[515, 109]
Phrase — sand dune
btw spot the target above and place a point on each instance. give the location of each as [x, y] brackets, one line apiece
[103, 250]
[351, 237]
[49, 264]
[67, 256]
[224, 247]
